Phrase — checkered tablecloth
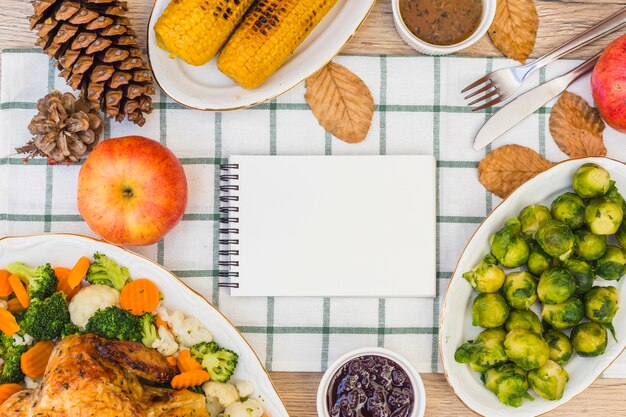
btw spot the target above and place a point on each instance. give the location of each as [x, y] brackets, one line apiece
[418, 111]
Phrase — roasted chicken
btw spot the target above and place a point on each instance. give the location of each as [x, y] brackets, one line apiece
[90, 376]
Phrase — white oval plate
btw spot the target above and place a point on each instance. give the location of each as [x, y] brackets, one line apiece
[65, 249]
[206, 88]
[456, 322]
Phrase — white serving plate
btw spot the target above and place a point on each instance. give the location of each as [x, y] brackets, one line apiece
[206, 88]
[456, 323]
[65, 249]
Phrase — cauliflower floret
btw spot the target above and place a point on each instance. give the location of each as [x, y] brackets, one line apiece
[245, 388]
[165, 343]
[223, 393]
[89, 300]
[248, 408]
[188, 330]
[32, 383]
[22, 341]
[3, 303]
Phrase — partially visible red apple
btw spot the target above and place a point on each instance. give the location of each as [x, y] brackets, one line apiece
[608, 84]
[132, 190]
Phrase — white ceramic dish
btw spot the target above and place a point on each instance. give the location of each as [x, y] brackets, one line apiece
[456, 324]
[489, 12]
[65, 249]
[414, 376]
[206, 88]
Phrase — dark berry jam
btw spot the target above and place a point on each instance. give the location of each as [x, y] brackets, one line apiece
[370, 386]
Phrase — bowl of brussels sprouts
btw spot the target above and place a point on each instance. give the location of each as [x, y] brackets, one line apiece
[531, 316]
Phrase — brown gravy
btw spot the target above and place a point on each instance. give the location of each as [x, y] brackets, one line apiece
[442, 22]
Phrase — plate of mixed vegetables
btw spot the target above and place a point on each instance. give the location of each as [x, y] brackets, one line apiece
[56, 286]
[532, 313]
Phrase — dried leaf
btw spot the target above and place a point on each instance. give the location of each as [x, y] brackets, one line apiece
[514, 28]
[508, 167]
[577, 127]
[341, 102]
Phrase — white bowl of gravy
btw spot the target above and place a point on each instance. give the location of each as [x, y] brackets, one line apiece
[441, 27]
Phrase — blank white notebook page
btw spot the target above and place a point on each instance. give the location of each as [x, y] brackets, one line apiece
[335, 226]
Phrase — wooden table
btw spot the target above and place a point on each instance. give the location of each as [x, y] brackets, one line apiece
[558, 22]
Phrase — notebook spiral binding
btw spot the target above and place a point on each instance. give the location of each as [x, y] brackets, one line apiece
[228, 240]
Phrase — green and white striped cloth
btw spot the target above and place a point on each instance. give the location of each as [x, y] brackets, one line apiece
[418, 111]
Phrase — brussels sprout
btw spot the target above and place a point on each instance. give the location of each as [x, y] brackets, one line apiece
[556, 239]
[591, 180]
[560, 346]
[604, 215]
[523, 320]
[601, 304]
[489, 311]
[612, 265]
[589, 246]
[486, 277]
[582, 273]
[565, 315]
[507, 245]
[620, 235]
[527, 349]
[538, 261]
[570, 209]
[485, 352]
[555, 286]
[549, 380]
[508, 382]
[520, 289]
[532, 218]
[589, 339]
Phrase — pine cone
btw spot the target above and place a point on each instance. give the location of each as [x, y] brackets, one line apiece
[64, 129]
[96, 52]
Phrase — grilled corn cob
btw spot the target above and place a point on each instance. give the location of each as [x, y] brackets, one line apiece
[269, 33]
[195, 30]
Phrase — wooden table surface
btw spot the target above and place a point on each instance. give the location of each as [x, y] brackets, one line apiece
[559, 20]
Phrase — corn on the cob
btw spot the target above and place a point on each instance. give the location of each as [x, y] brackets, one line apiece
[195, 30]
[269, 33]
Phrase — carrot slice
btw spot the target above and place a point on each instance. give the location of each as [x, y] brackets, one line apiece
[186, 362]
[63, 285]
[14, 306]
[171, 360]
[35, 359]
[5, 287]
[8, 324]
[140, 297]
[160, 322]
[7, 390]
[78, 272]
[190, 379]
[19, 290]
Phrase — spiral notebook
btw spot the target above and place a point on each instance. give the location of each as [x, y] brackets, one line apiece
[328, 226]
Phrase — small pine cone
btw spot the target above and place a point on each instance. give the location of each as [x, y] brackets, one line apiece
[64, 129]
[96, 52]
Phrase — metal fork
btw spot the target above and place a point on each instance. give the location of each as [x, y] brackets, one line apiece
[503, 83]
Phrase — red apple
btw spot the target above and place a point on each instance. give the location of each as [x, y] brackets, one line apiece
[608, 84]
[132, 190]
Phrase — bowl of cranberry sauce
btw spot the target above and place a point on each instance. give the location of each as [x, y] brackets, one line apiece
[371, 382]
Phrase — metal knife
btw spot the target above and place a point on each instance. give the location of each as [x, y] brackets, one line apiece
[523, 106]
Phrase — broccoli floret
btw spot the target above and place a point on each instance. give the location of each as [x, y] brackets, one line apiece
[197, 389]
[148, 329]
[105, 271]
[70, 329]
[41, 282]
[219, 363]
[12, 353]
[46, 319]
[115, 323]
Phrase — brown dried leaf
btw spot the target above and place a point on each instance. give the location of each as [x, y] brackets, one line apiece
[341, 102]
[508, 167]
[577, 127]
[514, 28]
